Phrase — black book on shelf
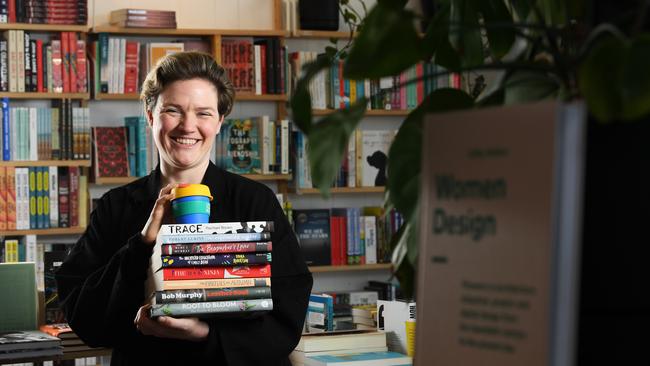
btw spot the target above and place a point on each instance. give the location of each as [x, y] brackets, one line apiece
[313, 231]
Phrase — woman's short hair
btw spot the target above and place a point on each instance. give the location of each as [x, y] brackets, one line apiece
[186, 66]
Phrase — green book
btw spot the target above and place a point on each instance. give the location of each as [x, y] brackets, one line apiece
[18, 311]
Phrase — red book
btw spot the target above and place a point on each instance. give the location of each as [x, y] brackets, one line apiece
[82, 65]
[201, 273]
[65, 64]
[72, 68]
[131, 67]
[216, 248]
[74, 196]
[11, 197]
[110, 152]
[341, 86]
[3, 198]
[11, 9]
[335, 245]
[39, 62]
[343, 232]
[263, 67]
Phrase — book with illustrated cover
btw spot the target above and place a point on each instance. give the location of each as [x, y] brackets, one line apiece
[212, 308]
[372, 157]
[111, 159]
[206, 260]
[215, 248]
[313, 231]
[240, 152]
[217, 228]
[26, 339]
[197, 273]
[212, 294]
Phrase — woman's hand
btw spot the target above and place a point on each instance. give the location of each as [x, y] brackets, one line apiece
[189, 329]
[159, 213]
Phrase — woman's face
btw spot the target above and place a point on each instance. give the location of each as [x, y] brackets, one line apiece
[185, 122]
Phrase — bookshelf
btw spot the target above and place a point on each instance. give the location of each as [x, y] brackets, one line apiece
[44, 27]
[54, 231]
[316, 34]
[80, 163]
[66, 356]
[369, 112]
[340, 190]
[238, 97]
[190, 32]
[126, 180]
[36, 95]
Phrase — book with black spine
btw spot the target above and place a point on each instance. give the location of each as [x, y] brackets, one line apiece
[227, 308]
[212, 294]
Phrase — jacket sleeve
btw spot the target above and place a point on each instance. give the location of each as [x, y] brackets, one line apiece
[101, 282]
[269, 339]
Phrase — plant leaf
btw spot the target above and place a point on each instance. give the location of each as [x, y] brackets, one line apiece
[529, 86]
[404, 155]
[499, 38]
[599, 77]
[387, 45]
[464, 32]
[328, 141]
[522, 8]
[554, 11]
[634, 81]
[436, 41]
[301, 99]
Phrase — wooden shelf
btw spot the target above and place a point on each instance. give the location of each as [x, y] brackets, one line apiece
[320, 34]
[46, 163]
[370, 112]
[351, 267]
[238, 97]
[44, 27]
[190, 32]
[55, 231]
[267, 177]
[114, 180]
[341, 190]
[33, 95]
[96, 352]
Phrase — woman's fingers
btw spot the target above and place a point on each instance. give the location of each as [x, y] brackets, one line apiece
[158, 214]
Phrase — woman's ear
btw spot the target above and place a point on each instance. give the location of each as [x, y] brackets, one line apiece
[219, 124]
[149, 116]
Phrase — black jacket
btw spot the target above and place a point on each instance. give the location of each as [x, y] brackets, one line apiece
[101, 283]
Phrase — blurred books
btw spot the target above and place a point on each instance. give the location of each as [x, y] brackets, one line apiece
[143, 18]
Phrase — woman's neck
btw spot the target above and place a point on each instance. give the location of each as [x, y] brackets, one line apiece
[171, 174]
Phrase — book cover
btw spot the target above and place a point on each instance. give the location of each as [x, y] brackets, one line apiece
[53, 258]
[208, 260]
[26, 340]
[320, 313]
[242, 153]
[213, 238]
[312, 228]
[206, 284]
[216, 294]
[212, 308]
[20, 309]
[110, 152]
[374, 156]
[500, 214]
[197, 273]
[157, 50]
[214, 248]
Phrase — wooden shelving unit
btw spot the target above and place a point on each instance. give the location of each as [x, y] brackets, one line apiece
[122, 96]
[190, 32]
[238, 97]
[54, 231]
[341, 190]
[352, 267]
[268, 177]
[316, 34]
[44, 27]
[370, 112]
[113, 180]
[126, 180]
[34, 95]
[85, 163]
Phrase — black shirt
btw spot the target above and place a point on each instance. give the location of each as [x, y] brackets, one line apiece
[101, 283]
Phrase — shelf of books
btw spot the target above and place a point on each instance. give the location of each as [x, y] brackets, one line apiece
[370, 112]
[25, 163]
[267, 177]
[44, 27]
[37, 95]
[191, 32]
[114, 180]
[352, 267]
[341, 190]
[54, 231]
[238, 97]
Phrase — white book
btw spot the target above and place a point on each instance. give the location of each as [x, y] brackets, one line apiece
[370, 231]
[13, 133]
[30, 248]
[284, 152]
[121, 66]
[113, 62]
[40, 267]
[33, 134]
[374, 156]
[86, 133]
[352, 160]
[263, 128]
[22, 198]
[257, 49]
[54, 196]
[20, 61]
[10, 35]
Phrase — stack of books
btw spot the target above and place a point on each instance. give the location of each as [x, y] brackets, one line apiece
[16, 345]
[333, 343]
[69, 339]
[212, 269]
[143, 18]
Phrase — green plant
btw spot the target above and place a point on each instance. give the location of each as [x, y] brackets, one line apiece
[538, 48]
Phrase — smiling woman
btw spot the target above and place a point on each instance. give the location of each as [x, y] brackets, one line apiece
[102, 282]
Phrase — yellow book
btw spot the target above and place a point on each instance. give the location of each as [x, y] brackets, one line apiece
[39, 197]
[160, 49]
[11, 251]
[32, 197]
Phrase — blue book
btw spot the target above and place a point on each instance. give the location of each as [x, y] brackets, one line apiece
[103, 62]
[6, 146]
[131, 130]
[39, 198]
[45, 220]
[320, 312]
[242, 155]
[362, 358]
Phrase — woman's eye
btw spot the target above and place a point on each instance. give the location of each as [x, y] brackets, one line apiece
[205, 114]
[171, 110]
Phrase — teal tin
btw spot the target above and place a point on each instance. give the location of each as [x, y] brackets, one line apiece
[192, 205]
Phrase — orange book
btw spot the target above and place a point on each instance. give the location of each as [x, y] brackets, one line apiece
[11, 197]
[3, 198]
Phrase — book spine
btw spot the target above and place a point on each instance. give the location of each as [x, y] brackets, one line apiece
[74, 196]
[65, 61]
[218, 228]
[54, 196]
[72, 62]
[203, 295]
[57, 66]
[215, 260]
[207, 273]
[208, 238]
[212, 283]
[39, 198]
[6, 130]
[20, 64]
[4, 65]
[82, 67]
[27, 61]
[64, 197]
[32, 198]
[212, 308]
[40, 86]
[46, 197]
[33, 134]
[215, 248]
[3, 198]
[33, 60]
[103, 62]
[10, 198]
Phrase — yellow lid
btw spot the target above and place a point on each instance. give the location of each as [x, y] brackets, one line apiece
[185, 190]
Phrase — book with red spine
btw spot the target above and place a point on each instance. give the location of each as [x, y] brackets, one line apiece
[74, 196]
[82, 67]
[264, 68]
[64, 197]
[65, 61]
[3, 198]
[11, 197]
[242, 259]
[40, 86]
[199, 273]
[11, 10]
[215, 248]
[335, 245]
[212, 294]
[72, 62]
[131, 67]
